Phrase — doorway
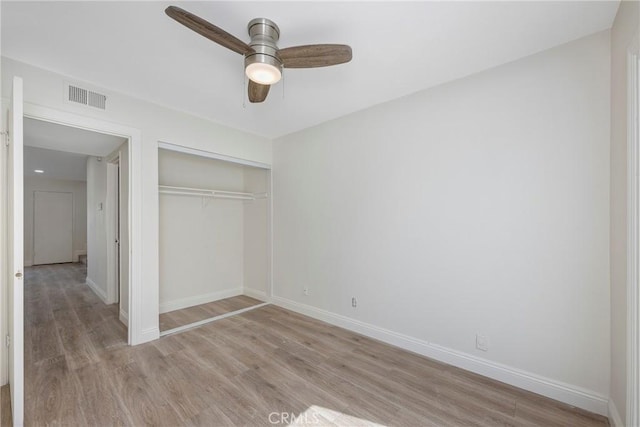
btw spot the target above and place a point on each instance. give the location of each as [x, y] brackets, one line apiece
[72, 203]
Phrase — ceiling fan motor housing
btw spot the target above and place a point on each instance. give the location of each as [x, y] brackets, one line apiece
[264, 35]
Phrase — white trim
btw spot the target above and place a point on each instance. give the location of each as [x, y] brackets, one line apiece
[112, 207]
[270, 238]
[124, 318]
[633, 250]
[614, 415]
[567, 393]
[147, 335]
[254, 293]
[198, 299]
[15, 246]
[39, 112]
[96, 290]
[77, 254]
[211, 319]
[211, 155]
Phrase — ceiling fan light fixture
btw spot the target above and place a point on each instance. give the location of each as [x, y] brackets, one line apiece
[263, 69]
[263, 59]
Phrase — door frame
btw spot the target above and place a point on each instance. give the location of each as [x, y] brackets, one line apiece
[134, 229]
[112, 208]
[633, 230]
[12, 206]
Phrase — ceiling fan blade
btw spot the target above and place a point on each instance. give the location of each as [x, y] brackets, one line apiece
[315, 55]
[208, 30]
[257, 92]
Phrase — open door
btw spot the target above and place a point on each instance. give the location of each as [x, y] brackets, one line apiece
[15, 254]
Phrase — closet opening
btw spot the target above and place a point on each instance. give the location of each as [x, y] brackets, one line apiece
[214, 233]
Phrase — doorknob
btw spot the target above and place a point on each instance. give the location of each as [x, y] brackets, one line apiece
[19, 275]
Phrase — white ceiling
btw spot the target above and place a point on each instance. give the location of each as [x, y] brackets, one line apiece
[55, 164]
[398, 47]
[38, 133]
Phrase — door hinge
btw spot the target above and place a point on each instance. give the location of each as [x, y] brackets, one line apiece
[8, 340]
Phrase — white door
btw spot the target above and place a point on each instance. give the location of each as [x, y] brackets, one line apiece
[52, 227]
[15, 254]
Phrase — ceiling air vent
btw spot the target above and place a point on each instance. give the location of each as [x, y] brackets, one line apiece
[87, 97]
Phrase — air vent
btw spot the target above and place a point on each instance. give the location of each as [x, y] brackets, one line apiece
[77, 94]
[87, 97]
[97, 100]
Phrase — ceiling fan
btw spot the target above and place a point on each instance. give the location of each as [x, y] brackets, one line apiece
[263, 60]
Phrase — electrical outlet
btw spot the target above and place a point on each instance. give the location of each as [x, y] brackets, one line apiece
[354, 302]
[482, 342]
[305, 291]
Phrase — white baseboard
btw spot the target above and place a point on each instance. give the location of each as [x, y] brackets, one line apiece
[146, 335]
[567, 393]
[198, 299]
[254, 293]
[76, 255]
[96, 289]
[124, 317]
[614, 415]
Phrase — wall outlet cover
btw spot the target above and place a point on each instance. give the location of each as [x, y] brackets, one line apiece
[482, 342]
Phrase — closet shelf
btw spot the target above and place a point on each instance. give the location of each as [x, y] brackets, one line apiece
[205, 192]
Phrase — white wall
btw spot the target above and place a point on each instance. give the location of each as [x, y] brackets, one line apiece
[79, 190]
[156, 123]
[256, 234]
[479, 206]
[96, 226]
[201, 241]
[625, 30]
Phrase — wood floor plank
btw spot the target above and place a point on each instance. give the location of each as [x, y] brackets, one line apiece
[77, 347]
[241, 370]
[6, 419]
[45, 342]
[144, 406]
[55, 391]
[101, 404]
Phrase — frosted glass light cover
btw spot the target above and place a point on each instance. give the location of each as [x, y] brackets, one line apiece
[262, 73]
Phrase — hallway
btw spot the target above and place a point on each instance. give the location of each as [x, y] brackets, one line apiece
[67, 330]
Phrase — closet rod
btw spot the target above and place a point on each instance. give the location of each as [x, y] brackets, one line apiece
[202, 192]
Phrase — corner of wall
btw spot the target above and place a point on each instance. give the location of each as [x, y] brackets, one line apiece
[96, 289]
[614, 416]
[254, 293]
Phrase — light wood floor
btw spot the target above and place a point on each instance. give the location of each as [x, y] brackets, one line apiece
[5, 406]
[244, 370]
[186, 316]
